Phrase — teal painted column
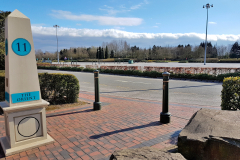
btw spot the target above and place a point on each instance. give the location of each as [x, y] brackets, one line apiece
[97, 103]
[165, 115]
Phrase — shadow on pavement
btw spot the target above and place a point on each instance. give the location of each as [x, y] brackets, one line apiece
[56, 115]
[157, 123]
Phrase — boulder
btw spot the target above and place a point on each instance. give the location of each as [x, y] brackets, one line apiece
[145, 153]
[211, 135]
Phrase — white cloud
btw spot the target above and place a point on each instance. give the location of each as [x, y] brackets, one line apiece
[114, 33]
[118, 28]
[139, 5]
[158, 23]
[78, 24]
[122, 9]
[109, 10]
[103, 20]
[155, 26]
[212, 22]
[146, 1]
[136, 6]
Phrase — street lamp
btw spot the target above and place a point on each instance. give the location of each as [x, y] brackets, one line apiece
[56, 26]
[207, 6]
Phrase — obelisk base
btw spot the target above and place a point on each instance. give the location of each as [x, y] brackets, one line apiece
[10, 151]
[25, 127]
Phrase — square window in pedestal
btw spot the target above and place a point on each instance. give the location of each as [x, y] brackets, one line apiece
[28, 126]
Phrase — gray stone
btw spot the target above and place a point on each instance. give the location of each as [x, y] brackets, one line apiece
[145, 153]
[211, 134]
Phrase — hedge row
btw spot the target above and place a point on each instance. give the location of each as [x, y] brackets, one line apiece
[55, 88]
[156, 74]
[229, 61]
[201, 60]
[153, 74]
[231, 93]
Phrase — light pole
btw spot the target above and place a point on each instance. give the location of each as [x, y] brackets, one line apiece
[207, 6]
[56, 26]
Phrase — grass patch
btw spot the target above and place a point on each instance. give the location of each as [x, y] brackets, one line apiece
[65, 106]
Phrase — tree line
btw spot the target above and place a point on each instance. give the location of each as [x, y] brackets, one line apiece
[121, 49]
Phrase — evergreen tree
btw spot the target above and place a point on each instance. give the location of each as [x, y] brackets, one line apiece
[102, 54]
[61, 52]
[97, 54]
[234, 53]
[112, 54]
[150, 53]
[106, 53]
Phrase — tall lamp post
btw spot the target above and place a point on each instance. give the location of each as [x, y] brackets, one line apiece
[206, 6]
[56, 26]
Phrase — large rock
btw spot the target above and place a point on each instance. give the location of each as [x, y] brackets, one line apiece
[145, 153]
[211, 135]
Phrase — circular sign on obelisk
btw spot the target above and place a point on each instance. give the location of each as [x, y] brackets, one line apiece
[21, 47]
[6, 47]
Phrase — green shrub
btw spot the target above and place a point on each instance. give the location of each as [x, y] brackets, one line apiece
[137, 72]
[53, 88]
[48, 67]
[229, 61]
[128, 72]
[212, 60]
[65, 68]
[88, 70]
[183, 61]
[118, 71]
[231, 93]
[153, 74]
[201, 60]
[77, 69]
[161, 61]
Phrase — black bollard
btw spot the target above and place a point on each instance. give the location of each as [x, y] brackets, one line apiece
[97, 103]
[165, 116]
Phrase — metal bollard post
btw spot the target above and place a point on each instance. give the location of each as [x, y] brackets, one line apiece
[165, 116]
[97, 103]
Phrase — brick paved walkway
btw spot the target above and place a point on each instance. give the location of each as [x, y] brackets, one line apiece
[81, 133]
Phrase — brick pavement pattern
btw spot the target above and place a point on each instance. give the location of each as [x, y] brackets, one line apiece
[81, 133]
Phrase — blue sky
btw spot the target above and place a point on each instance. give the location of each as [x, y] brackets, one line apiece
[140, 22]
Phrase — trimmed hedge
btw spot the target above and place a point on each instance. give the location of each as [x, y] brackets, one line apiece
[88, 70]
[201, 60]
[231, 93]
[48, 67]
[55, 88]
[229, 61]
[183, 61]
[153, 74]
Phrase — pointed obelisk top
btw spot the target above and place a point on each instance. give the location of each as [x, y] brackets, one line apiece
[16, 13]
